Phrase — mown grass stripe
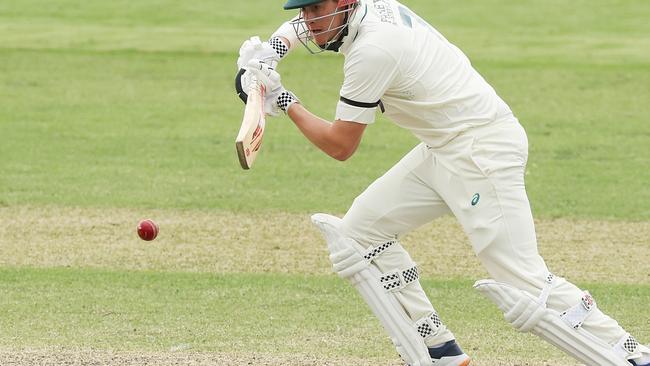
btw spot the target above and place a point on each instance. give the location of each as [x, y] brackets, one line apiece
[275, 313]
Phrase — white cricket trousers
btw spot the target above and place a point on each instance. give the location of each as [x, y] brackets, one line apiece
[479, 178]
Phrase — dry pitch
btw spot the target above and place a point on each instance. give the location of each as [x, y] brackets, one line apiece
[223, 242]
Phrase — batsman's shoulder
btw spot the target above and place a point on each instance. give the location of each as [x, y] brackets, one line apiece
[382, 40]
[369, 56]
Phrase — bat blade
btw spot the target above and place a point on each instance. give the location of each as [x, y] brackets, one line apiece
[249, 138]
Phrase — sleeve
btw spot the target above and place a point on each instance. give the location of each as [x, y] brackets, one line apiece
[368, 72]
[286, 30]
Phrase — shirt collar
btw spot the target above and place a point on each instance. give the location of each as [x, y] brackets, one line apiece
[353, 27]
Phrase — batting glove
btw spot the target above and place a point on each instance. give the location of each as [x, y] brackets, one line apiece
[277, 98]
[270, 52]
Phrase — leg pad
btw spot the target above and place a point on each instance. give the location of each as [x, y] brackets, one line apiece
[528, 313]
[354, 263]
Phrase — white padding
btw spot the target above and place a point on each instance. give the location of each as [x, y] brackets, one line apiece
[528, 314]
[348, 259]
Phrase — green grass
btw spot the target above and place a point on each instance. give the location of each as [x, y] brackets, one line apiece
[148, 311]
[126, 104]
[119, 104]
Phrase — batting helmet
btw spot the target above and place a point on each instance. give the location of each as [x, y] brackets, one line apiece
[295, 4]
[305, 35]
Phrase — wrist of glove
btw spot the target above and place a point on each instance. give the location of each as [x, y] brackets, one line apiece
[285, 100]
[278, 45]
[270, 52]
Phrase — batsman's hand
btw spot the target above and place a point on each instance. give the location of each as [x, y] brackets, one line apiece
[270, 52]
[277, 98]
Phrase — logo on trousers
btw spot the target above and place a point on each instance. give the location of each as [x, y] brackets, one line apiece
[475, 199]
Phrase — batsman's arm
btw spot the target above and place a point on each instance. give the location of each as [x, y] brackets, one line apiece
[281, 42]
[339, 139]
[287, 35]
[368, 71]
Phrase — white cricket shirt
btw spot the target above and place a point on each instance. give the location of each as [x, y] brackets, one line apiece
[426, 84]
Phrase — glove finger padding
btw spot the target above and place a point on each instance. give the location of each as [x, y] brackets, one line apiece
[270, 80]
[247, 51]
[277, 97]
[243, 83]
[265, 75]
[254, 48]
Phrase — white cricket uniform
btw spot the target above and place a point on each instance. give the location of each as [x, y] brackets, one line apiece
[470, 163]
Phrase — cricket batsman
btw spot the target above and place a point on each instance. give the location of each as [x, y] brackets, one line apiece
[470, 162]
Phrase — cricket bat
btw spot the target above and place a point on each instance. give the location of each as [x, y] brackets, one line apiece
[249, 138]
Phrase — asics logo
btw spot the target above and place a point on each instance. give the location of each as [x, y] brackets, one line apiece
[475, 199]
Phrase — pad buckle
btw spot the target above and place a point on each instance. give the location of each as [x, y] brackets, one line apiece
[588, 301]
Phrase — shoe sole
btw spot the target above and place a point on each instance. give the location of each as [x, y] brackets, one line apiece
[465, 363]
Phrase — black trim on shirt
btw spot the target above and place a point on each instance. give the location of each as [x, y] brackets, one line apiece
[364, 105]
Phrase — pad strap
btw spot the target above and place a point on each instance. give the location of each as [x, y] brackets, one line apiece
[397, 280]
[376, 251]
[626, 346]
[546, 291]
[429, 326]
[577, 314]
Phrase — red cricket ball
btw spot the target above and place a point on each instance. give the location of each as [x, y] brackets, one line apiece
[147, 230]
